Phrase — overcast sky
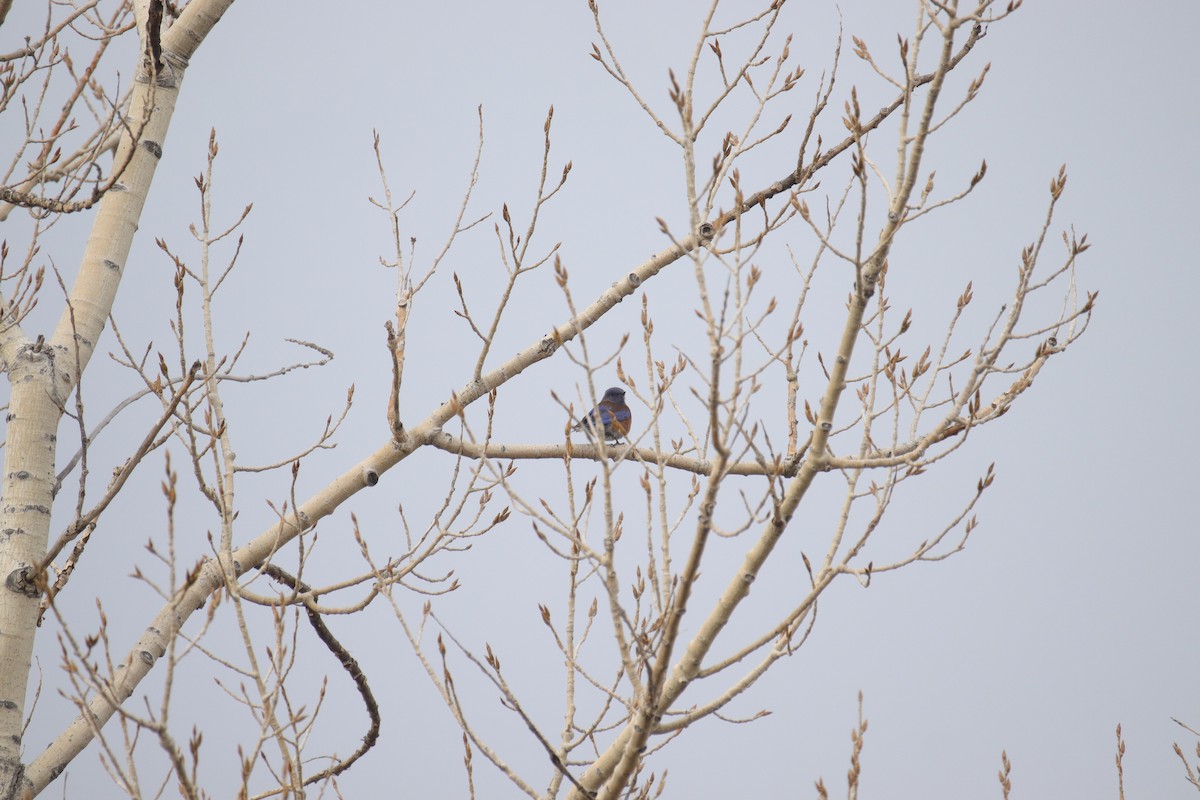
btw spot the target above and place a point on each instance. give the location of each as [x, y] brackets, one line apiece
[1072, 610]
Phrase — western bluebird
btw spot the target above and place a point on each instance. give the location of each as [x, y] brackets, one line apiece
[615, 416]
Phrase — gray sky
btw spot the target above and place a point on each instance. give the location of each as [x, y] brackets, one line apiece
[1072, 609]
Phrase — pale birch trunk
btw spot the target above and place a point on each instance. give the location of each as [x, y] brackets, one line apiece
[43, 373]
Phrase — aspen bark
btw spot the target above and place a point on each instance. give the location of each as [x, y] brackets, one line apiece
[43, 373]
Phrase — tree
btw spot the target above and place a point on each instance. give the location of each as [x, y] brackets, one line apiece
[768, 410]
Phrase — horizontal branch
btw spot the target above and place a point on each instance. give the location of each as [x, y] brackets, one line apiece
[592, 452]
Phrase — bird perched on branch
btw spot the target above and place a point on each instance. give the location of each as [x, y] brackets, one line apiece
[614, 417]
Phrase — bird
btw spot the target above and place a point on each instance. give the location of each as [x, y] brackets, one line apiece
[615, 417]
